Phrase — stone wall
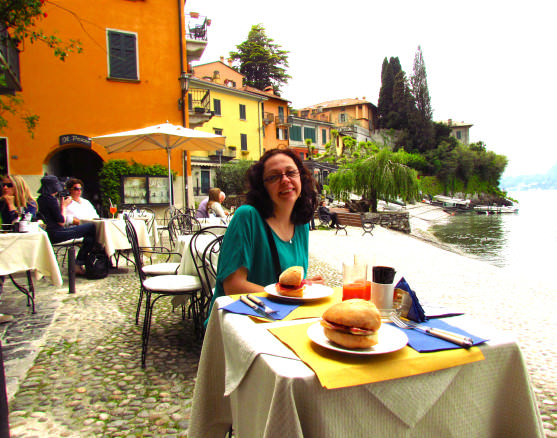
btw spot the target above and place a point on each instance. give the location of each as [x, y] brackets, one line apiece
[395, 220]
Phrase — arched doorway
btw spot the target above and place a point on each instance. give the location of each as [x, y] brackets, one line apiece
[82, 163]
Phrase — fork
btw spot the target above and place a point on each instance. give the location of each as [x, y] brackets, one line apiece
[260, 303]
[463, 341]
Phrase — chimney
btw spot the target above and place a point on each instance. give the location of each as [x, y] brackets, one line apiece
[450, 122]
[229, 62]
[222, 59]
[269, 90]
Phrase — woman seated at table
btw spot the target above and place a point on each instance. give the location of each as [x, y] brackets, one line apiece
[54, 216]
[16, 199]
[79, 208]
[214, 204]
[281, 196]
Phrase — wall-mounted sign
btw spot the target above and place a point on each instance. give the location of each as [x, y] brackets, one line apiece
[74, 138]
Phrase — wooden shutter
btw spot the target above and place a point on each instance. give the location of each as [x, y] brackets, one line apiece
[242, 112]
[216, 106]
[122, 55]
[244, 142]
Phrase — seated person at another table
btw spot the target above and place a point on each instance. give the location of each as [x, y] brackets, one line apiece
[79, 208]
[16, 199]
[324, 211]
[202, 211]
[214, 205]
[54, 215]
[281, 195]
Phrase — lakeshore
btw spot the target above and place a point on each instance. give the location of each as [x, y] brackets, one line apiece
[74, 367]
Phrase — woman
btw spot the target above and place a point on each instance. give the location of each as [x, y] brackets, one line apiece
[54, 215]
[16, 199]
[214, 204]
[281, 195]
[79, 208]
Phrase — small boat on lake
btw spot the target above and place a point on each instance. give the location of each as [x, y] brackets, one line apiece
[495, 209]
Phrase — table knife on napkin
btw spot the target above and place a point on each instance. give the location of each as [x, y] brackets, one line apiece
[256, 308]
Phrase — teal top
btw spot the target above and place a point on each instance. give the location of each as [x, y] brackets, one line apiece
[245, 244]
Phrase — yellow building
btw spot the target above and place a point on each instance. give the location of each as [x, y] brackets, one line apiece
[127, 77]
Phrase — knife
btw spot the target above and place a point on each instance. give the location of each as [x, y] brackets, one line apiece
[260, 303]
[256, 308]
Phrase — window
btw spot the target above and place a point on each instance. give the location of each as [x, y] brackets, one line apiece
[242, 112]
[296, 133]
[244, 142]
[282, 133]
[205, 181]
[217, 131]
[3, 156]
[342, 117]
[458, 135]
[122, 55]
[216, 107]
[309, 133]
[323, 136]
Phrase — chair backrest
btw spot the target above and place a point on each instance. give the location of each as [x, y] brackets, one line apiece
[134, 242]
[182, 224]
[204, 250]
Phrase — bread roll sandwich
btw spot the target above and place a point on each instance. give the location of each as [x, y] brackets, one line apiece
[291, 282]
[352, 323]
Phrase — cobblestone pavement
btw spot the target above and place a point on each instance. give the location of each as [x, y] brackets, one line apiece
[73, 368]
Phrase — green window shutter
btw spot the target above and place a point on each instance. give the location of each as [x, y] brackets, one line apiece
[122, 55]
[323, 136]
[244, 142]
[296, 133]
[309, 133]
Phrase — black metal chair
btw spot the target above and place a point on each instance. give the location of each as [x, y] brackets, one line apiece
[204, 250]
[181, 224]
[161, 286]
[367, 224]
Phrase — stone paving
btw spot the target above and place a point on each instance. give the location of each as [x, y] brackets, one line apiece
[73, 369]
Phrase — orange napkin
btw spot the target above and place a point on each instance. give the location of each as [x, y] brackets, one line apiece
[339, 370]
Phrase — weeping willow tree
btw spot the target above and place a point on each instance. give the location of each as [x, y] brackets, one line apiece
[381, 176]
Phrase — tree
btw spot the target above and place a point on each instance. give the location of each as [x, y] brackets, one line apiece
[262, 62]
[381, 176]
[18, 22]
[309, 148]
[419, 86]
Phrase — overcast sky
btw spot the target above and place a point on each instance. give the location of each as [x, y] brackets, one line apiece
[489, 63]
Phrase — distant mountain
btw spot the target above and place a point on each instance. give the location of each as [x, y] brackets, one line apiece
[547, 181]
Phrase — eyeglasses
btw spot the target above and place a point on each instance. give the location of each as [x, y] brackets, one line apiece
[77, 188]
[290, 174]
[10, 185]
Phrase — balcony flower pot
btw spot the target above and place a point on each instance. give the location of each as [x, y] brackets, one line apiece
[194, 14]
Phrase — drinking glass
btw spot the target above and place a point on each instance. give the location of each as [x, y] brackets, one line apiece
[354, 278]
[113, 210]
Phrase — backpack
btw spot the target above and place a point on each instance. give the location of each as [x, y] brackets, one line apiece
[96, 263]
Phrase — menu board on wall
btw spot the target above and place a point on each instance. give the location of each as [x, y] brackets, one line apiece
[144, 190]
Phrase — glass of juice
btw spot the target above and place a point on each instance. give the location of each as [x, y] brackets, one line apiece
[354, 278]
[113, 210]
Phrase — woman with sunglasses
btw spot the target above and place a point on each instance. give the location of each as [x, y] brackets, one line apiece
[80, 208]
[16, 199]
[281, 196]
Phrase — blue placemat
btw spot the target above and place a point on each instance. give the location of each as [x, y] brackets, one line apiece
[282, 309]
[425, 343]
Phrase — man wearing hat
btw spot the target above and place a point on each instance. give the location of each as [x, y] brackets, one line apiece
[53, 212]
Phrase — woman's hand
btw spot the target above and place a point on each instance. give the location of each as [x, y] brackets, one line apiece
[66, 201]
[317, 279]
[237, 283]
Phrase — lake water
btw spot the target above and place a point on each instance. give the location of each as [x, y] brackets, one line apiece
[526, 240]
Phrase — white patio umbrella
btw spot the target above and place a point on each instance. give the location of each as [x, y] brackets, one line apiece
[165, 136]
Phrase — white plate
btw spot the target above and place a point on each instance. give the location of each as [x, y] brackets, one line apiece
[390, 339]
[311, 292]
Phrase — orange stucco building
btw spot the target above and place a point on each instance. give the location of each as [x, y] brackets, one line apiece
[125, 78]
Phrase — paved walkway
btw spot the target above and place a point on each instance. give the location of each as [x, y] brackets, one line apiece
[73, 368]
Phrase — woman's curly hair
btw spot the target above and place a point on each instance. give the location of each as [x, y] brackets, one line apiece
[259, 198]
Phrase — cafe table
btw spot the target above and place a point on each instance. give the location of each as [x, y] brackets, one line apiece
[31, 253]
[187, 266]
[250, 380]
[111, 234]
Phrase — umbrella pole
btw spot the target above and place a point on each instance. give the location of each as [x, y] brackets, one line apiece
[169, 181]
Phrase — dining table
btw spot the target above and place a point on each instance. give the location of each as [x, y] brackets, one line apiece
[187, 265]
[111, 234]
[31, 253]
[251, 381]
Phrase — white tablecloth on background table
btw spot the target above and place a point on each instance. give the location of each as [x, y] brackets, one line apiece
[29, 251]
[273, 393]
[111, 233]
[187, 266]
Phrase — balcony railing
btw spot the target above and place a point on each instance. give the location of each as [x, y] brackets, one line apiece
[197, 27]
[199, 100]
[268, 118]
[281, 120]
[9, 64]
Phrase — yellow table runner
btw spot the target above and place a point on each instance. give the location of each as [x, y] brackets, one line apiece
[339, 370]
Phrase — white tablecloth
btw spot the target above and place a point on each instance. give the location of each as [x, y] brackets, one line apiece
[272, 393]
[187, 267]
[111, 233]
[29, 251]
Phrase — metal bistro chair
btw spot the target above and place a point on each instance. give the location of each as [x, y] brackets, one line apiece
[161, 286]
[181, 224]
[204, 250]
[162, 225]
[163, 268]
[367, 224]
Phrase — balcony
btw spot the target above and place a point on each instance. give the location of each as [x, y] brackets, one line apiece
[283, 122]
[199, 105]
[224, 155]
[9, 64]
[268, 118]
[196, 36]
